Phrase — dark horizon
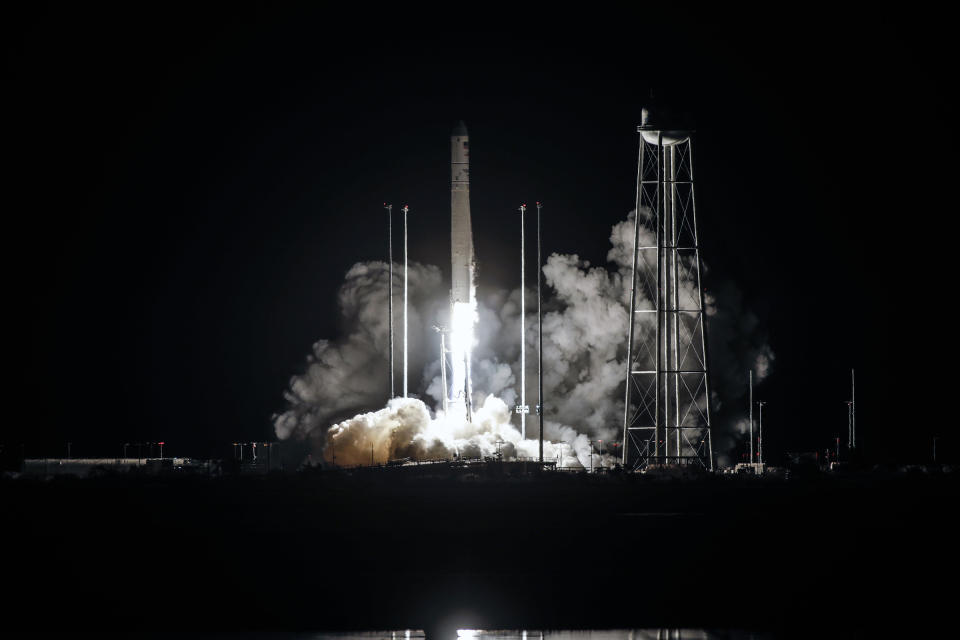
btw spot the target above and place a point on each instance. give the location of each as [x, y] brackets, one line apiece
[190, 190]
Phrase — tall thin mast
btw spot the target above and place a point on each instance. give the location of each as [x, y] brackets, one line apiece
[751, 416]
[760, 404]
[523, 326]
[539, 335]
[389, 208]
[405, 273]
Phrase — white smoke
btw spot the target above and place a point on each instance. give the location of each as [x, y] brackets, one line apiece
[346, 376]
[407, 429]
[584, 346]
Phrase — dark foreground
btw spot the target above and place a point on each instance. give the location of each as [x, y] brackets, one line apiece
[817, 555]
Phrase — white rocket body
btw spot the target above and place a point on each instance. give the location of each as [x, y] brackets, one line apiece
[462, 292]
[461, 232]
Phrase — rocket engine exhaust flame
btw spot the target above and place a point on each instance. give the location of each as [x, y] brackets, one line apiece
[463, 317]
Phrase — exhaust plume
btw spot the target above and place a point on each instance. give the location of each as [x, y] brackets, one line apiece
[336, 399]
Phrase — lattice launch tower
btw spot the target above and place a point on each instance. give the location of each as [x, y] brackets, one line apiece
[667, 398]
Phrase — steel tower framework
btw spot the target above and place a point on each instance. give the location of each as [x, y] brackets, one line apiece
[667, 404]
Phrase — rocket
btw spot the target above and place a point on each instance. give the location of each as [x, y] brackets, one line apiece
[462, 310]
[461, 232]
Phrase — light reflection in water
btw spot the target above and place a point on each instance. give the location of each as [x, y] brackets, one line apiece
[605, 634]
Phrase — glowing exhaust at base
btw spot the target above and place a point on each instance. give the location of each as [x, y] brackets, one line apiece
[463, 315]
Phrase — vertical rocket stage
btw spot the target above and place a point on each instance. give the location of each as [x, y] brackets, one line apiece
[461, 233]
[462, 305]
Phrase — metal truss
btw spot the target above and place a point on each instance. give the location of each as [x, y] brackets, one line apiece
[667, 398]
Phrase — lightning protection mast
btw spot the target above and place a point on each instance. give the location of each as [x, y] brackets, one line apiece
[667, 395]
[760, 405]
[389, 208]
[406, 210]
[539, 335]
[523, 408]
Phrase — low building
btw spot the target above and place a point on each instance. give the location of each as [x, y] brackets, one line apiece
[84, 467]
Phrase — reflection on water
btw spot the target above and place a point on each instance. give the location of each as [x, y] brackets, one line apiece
[605, 634]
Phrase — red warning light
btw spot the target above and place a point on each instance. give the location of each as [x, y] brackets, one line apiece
[160, 443]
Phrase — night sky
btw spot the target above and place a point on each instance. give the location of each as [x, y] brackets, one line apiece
[188, 190]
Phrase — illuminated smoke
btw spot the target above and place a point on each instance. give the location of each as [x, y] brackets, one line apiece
[339, 396]
[347, 376]
[407, 429]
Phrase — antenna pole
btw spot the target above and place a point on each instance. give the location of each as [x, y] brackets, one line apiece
[523, 327]
[389, 208]
[760, 404]
[539, 334]
[405, 274]
[751, 417]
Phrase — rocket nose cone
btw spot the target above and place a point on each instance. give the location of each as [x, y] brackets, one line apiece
[460, 129]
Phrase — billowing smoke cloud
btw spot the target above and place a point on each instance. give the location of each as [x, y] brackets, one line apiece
[406, 429]
[347, 376]
[584, 328]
